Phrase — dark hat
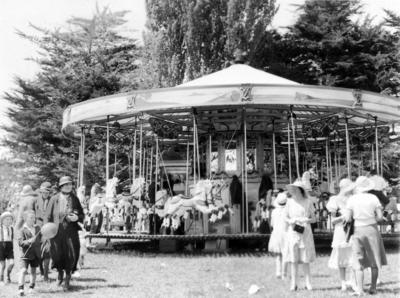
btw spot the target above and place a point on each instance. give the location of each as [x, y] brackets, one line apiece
[65, 180]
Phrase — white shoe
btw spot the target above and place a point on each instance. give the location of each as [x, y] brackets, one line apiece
[76, 274]
[31, 291]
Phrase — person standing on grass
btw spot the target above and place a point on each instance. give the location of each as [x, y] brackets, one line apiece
[341, 250]
[367, 245]
[26, 202]
[29, 241]
[6, 245]
[41, 205]
[299, 245]
[276, 242]
[65, 211]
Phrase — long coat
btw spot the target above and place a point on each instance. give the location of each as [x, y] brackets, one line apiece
[65, 246]
[41, 211]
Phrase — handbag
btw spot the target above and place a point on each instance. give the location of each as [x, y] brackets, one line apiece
[298, 228]
[348, 227]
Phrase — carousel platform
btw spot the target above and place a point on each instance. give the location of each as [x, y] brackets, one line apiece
[171, 243]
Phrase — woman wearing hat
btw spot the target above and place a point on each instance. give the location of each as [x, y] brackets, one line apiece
[26, 202]
[367, 245]
[299, 247]
[341, 249]
[66, 211]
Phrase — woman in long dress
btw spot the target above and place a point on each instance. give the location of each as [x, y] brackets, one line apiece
[367, 245]
[341, 249]
[299, 247]
[65, 211]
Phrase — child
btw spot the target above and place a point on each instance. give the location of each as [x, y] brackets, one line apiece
[279, 227]
[82, 252]
[6, 245]
[29, 241]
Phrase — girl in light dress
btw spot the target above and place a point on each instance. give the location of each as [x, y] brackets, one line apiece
[277, 240]
[299, 245]
[340, 258]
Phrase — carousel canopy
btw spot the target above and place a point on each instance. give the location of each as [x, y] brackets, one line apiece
[222, 100]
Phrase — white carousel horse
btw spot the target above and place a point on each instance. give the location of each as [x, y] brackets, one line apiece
[137, 187]
[111, 189]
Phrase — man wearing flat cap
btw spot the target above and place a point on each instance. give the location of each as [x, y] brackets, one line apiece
[41, 205]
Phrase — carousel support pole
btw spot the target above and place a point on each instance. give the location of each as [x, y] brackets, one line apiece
[274, 155]
[156, 183]
[381, 163]
[372, 156]
[187, 170]
[377, 146]
[209, 155]
[245, 175]
[194, 150]
[289, 155]
[197, 152]
[330, 165]
[115, 164]
[347, 149]
[107, 168]
[296, 149]
[134, 158]
[140, 152]
[327, 159]
[151, 165]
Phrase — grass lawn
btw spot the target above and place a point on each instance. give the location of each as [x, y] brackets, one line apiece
[133, 274]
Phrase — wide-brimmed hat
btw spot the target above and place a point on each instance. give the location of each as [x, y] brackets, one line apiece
[27, 191]
[297, 184]
[346, 185]
[65, 180]
[281, 198]
[45, 186]
[6, 214]
[364, 184]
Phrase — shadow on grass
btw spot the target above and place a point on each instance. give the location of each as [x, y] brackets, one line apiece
[90, 279]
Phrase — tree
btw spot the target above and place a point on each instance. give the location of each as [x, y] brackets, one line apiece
[327, 47]
[89, 60]
[187, 39]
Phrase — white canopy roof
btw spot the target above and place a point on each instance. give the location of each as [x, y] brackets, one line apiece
[238, 74]
[237, 86]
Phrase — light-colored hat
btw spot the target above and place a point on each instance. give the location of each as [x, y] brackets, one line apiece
[65, 180]
[346, 185]
[281, 198]
[45, 186]
[4, 215]
[262, 201]
[297, 184]
[27, 191]
[364, 184]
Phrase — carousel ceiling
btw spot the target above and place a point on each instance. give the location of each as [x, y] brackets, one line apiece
[223, 101]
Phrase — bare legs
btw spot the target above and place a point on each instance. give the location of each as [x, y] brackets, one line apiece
[294, 276]
[21, 280]
[2, 268]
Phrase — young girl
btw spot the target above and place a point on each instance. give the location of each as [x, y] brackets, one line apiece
[299, 247]
[29, 241]
[6, 245]
[341, 250]
[278, 235]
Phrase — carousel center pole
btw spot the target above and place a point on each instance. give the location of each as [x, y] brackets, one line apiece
[347, 149]
[82, 156]
[274, 153]
[377, 146]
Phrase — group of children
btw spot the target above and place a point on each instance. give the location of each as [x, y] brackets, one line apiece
[32, 253]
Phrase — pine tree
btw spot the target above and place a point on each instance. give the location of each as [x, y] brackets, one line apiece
[89, 60]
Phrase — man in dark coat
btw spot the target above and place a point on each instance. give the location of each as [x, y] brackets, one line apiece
[41, 205]
[65, 211]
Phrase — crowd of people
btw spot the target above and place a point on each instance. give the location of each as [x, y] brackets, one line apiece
[58, 205]
[357, 244]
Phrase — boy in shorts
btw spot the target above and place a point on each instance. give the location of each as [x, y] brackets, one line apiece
[6, 245]
[29, 241]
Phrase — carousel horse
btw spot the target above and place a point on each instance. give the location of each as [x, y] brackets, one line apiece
[138, 187]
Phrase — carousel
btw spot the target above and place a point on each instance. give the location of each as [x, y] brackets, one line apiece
[190, 143]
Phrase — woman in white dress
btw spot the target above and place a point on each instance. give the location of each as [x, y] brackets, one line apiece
[276, 242]
[341, 249]
[299, 245]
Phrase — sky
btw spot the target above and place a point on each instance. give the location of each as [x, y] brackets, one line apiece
[18, 14]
